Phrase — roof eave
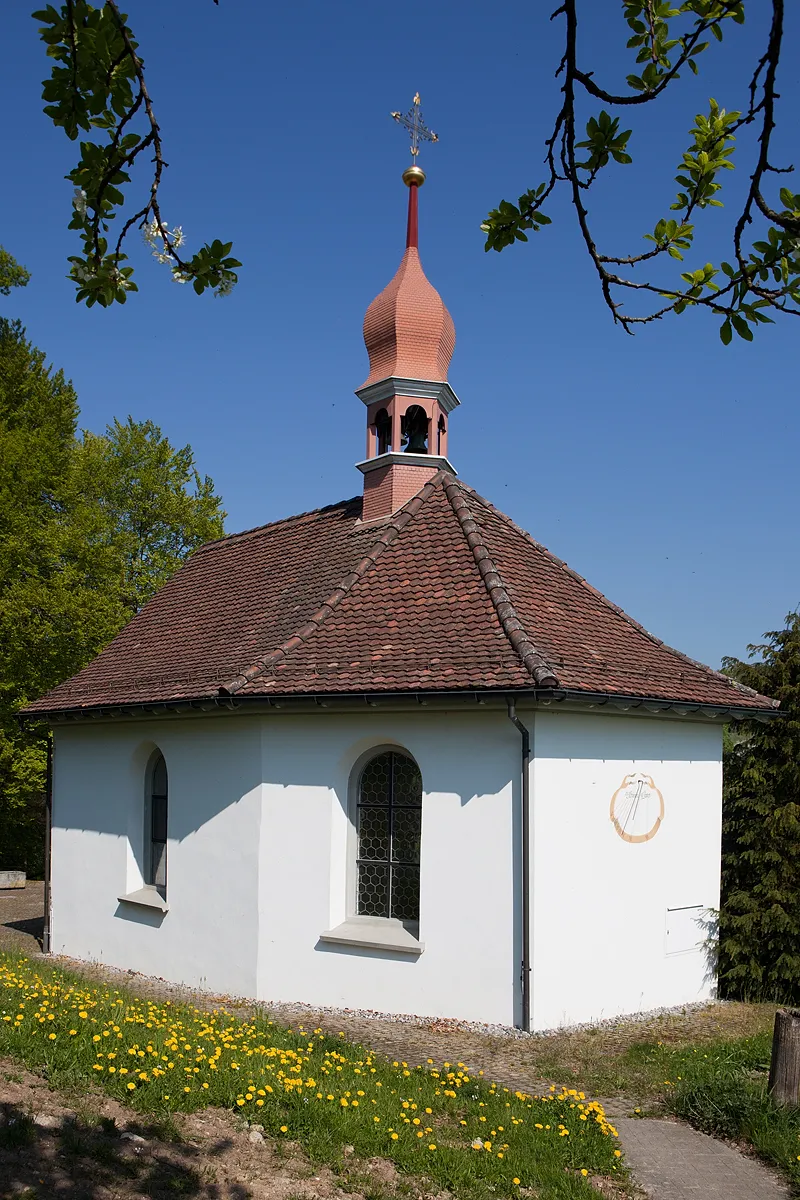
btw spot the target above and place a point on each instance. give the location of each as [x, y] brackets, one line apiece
[305, 701]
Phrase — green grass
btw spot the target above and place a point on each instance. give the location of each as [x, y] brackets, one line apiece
[617, 1060]
[439, 1123]
[721, 1089]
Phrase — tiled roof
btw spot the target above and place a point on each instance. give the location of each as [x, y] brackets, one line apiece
[446, 595]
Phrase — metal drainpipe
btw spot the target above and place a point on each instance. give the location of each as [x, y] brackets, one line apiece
[525, 973]
[48, 828]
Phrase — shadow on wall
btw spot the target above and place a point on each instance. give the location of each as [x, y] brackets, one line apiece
[137, 915]
[603, 737]
[211, 766]
[480, 772]
[708, 927]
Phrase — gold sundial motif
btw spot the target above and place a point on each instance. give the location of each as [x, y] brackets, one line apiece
[637, 808]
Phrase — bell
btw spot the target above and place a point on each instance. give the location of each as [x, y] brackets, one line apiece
[417, 442]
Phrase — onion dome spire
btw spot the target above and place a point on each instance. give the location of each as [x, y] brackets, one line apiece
[410, 338]
[407, 329]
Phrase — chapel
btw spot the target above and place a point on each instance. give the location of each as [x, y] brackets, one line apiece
[393, 754]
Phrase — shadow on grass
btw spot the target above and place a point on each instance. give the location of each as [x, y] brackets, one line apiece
[84, 1160]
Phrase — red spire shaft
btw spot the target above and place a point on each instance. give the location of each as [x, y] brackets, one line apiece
[412, 230]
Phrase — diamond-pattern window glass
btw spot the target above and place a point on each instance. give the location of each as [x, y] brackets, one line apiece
[389, 829]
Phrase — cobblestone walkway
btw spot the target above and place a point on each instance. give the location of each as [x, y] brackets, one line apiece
[670, 1161]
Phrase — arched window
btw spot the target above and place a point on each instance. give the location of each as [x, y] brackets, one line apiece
[441, 430]
[155, 833]
[388, 826]
[383, 432]
[414, 429]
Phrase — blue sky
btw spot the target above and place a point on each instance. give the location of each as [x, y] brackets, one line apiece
[662, 467]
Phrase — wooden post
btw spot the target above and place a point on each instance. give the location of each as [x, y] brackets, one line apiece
[784, 1068]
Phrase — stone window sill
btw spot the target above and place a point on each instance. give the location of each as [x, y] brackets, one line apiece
[374, 933]
[146, 897]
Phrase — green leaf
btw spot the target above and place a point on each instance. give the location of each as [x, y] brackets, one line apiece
[725, 333]
[742, 328]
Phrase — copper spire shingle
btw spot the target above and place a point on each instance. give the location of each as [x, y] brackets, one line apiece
[407, 329]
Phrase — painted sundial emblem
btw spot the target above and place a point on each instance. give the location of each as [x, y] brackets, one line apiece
[637, 808]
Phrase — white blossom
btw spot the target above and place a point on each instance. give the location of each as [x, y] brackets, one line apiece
[227, 281]
[181, 276]
[81, 272]
[79, 201]
[152, 230]
[162, 241]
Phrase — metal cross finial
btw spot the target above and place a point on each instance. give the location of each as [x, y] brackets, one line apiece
[414, 123]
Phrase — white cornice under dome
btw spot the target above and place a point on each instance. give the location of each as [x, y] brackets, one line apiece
[425, 389]
[397, 457]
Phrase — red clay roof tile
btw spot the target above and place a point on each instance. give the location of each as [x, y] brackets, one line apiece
[449, 594]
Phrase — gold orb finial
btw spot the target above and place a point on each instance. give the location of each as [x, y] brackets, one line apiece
[413, 176]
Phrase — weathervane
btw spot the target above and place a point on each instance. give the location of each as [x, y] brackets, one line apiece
[415, 124]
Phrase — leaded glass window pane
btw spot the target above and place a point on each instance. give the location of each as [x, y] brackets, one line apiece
[389, 826]
[373, 889]
[405, 892]
[156, 831]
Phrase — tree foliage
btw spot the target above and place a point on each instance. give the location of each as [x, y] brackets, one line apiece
[97, 90]
[12, 274]
[90, 527]
[147, 505]
[666, 39]
[760, 915]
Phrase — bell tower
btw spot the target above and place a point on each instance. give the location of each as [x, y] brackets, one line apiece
[410, 337]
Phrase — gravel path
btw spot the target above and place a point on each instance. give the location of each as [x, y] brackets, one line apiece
[669, 1160]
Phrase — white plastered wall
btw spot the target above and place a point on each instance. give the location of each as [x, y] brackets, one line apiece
[600, 903]
[209, 937]
[468, 878]
[258, 859]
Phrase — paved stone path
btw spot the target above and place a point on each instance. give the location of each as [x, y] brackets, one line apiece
[669, 1160]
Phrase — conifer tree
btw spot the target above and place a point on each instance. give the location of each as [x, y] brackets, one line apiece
[760, 915]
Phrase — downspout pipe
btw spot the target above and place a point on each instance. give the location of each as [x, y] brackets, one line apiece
[525, 969]
[48, 830]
